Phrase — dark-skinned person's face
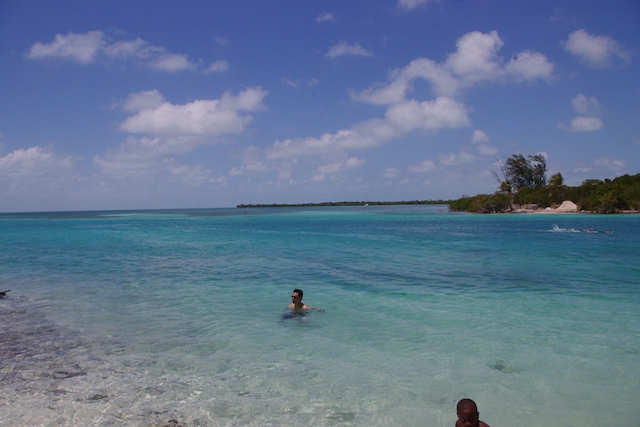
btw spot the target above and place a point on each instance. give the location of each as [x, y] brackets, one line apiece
[468, 418]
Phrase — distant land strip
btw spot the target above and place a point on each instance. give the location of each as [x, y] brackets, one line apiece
[287, 205]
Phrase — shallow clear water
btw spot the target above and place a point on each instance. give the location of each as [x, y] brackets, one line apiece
[139, 318]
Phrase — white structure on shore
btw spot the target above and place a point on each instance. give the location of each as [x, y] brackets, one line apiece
[567, 206]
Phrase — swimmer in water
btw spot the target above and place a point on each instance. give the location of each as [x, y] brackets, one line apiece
[468, 414]
[296, 302]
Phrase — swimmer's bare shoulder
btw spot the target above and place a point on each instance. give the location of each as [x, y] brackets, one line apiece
[480, 424]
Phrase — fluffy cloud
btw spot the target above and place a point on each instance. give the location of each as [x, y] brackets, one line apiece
[176, 129]
[401, 118]
[474, 61]
[597, 51]
[366, 134]
[207, 117]
[148, 162]
[344, 48]
[218, 66]
[32, 162]
[145, 100]
[85, 48]
[35, 173]
[171, 63]
[479, 136]
[585, 105]
[428, 115]
[529, 65]
[589, 108]
[81, 48]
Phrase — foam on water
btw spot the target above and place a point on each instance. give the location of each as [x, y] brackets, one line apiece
[162, 319]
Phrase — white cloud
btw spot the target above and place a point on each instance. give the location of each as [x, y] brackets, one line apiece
[479, 136]
[218, 66]
[588, 107]
[326, 17]
[81, 48]
[147, 163]
[443, 81]
[141, 157]
[31, 163]
[201, 117]
[401, 118]
[343, 48]
[366, 134]
[171, 63]
[428, 115]
[85, 48]
[586, 124]
[144, 100]
[596, 51]
[529, 65]
[35, 174]
[126, 49]
[411, 4]
[585, 105]
[423, 167]
[475, 60]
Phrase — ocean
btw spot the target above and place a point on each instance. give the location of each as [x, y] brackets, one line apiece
[175, 318]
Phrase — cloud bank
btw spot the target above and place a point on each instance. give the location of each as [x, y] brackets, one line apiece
[86, 48]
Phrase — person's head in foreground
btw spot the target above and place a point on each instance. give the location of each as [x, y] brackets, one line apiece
[468, 414]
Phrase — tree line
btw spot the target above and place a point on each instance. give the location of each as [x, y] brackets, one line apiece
[523, 181]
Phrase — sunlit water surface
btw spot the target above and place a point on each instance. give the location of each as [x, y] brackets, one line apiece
[174, 318]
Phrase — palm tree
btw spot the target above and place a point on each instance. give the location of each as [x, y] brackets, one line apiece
[556, 184]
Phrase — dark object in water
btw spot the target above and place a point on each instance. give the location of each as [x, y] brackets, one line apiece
[503, 366]
[293, 314]
[4, 294]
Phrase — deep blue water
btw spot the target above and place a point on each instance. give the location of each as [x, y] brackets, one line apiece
[136, 318]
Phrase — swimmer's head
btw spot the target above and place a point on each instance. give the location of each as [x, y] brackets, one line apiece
[467, 413]
[296, 291]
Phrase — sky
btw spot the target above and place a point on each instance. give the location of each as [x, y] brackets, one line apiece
[205, 104]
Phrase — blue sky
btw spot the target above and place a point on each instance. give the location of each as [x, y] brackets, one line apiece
[184, 104]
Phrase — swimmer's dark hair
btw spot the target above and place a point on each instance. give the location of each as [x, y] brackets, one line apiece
[299, 292]
[467, 404]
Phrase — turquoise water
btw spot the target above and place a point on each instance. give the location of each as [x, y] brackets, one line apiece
[140, 318]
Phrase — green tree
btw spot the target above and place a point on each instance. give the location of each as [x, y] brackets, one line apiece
[556, 187]
[524, 172]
